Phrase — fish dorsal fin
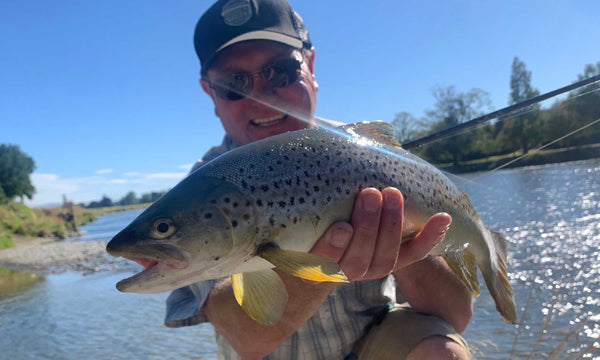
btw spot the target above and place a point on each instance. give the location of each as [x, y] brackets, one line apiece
[261, 294]
[303, 265]
[379, 131]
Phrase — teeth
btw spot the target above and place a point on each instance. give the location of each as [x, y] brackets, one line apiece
[269, 120]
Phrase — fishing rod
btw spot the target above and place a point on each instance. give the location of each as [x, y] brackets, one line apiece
[499, 113]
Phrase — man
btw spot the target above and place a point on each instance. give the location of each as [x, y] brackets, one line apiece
[257, 66]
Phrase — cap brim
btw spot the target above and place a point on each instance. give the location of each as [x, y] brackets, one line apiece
[264, 35]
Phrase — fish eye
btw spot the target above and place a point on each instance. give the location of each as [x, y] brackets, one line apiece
[163, 228]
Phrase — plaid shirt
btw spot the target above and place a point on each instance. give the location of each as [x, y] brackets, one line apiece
[329, 334]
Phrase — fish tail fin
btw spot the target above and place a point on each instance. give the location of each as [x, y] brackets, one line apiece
[496, 278]
[463, 264]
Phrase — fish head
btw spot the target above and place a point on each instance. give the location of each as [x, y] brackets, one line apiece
[185, 236]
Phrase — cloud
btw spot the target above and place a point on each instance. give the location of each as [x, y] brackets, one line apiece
[50, 188]
[186, 167]
[104, 171]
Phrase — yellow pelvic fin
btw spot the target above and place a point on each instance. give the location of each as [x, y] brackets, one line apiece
[261, 294]
[464, 266]
[304, 265]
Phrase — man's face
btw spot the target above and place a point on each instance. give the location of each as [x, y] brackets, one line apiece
[267, 110]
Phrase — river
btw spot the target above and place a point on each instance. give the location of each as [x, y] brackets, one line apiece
[551, 215]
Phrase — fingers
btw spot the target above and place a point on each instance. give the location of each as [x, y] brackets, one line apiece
[365, 222]
[432, 234]
[333, 243]
[389, 238]
[372, 246]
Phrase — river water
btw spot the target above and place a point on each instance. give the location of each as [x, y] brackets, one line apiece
[551, 215]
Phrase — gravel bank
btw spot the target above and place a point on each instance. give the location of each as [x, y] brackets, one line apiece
[52, 257]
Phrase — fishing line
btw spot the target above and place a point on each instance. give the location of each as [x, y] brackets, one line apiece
[538, 149]
[502, 112]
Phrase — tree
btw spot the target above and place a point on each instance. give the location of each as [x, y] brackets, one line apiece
[521, 127]
[15, 170]
[128, 199]
[451, 109]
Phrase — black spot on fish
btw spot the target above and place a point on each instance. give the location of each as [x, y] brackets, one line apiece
[217, 258]
[265, 188]
[282, 204]
[283, 226]
[227, 200]
[316, 188]
[234, 223]
[259, 202]
[338, 189]
[270, 204]
[301, 200]
[246, 217]
[235, 204]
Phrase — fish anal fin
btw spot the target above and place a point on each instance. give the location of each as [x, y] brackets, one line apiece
[380, 131]
[464, 266]
[261, 294]
[304, 265]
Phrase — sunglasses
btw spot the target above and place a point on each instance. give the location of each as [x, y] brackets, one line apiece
[237, 86]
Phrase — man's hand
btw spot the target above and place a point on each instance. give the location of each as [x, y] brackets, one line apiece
[371, 247]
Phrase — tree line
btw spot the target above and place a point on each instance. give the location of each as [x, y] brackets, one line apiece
[527, 129]
[129, 199]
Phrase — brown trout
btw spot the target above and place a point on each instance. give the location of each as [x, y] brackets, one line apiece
[264, 205]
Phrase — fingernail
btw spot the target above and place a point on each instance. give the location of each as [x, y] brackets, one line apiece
[371, 203]
[444, 229]
[340, 237]
[442, 234]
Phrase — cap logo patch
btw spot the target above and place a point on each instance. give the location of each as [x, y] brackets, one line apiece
[236, 12]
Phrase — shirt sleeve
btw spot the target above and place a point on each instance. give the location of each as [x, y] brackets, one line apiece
[184, 305]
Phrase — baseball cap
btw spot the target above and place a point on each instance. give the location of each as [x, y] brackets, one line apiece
[229, 22]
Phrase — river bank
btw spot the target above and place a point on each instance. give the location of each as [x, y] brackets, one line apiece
[541, 157]
[49, 256]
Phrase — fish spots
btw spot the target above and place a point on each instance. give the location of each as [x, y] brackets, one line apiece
[208, 215]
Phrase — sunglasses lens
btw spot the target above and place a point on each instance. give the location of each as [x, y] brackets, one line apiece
[233, 87]
[238, 86]
[282, 73]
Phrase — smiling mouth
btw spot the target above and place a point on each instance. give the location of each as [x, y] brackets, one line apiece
[268, 121]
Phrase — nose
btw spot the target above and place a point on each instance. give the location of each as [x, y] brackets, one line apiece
[261, 88]
[120, 241]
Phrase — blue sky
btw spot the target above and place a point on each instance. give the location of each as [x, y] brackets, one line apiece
[104, 95]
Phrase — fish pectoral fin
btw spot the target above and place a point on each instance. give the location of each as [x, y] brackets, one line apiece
[464, 266]
[261, 294]
[304, 265]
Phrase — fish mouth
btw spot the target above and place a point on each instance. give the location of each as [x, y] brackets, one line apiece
[269, 121]
[158, 261]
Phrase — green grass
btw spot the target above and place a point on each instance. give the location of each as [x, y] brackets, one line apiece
[16, 218]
